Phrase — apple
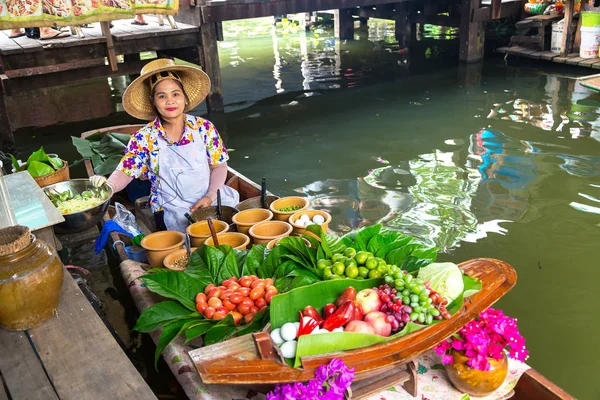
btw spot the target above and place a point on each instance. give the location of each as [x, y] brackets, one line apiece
[368, 300]
[378, 321]
[359, 327]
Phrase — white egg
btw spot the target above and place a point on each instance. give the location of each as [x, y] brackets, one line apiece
[297, 325]
[317, 332]
[276, 336]
[288, 349]
[289, 331]
[304, 217]
[309, 222]
[318, 219]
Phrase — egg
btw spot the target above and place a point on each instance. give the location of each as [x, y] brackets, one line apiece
[289, 331]
[276, 336]
[304, 217]
[318, 219]
[288, 349]
[309, 222]
[319, 331]
[297, 325]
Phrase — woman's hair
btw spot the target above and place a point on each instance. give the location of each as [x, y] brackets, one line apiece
[153, 92]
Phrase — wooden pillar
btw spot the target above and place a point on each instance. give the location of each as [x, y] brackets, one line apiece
[472, 34]
[343, 24]
[567, 36]
[209, 56]
[403, 25]
[7, 140]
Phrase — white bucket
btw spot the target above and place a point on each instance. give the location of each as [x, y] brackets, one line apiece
[557, 31]
[590, 40]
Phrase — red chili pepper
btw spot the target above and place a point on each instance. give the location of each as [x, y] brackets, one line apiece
[308, 328]
[341, 317]
[358, 313]
[310, 311]
[328, 309]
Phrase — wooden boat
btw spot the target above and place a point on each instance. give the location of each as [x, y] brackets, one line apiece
[251, 360]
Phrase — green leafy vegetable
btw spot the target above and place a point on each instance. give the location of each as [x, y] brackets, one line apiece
[160, 314]
[179, 286]
[255, 257]
[37, 169]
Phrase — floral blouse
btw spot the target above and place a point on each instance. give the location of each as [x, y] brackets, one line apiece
[142, 152]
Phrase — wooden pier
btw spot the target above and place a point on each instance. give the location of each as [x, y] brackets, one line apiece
[535, 54]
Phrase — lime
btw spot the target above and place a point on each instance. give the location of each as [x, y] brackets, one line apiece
[362, 271]
[382, 270]
[350, 261]
[327, 271]
[351, 271]
[374, 274]
[372, 263]
[382, 262]
[350, 252]
[336, 257]
[338, 268]
[331, 277]
[361, 257]
[360, 278]
[369, 255]
[334, 277]
[322, 264]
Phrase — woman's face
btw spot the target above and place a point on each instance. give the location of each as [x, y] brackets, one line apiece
[169, 99]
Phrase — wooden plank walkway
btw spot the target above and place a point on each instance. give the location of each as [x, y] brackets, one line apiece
[72, 356]
[571, 59]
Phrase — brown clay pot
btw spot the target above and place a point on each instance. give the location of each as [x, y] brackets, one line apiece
[301, 229]
[31, 276]
[244, 220]
[264, 232]
[287, 202]
[237, 240]
[159, 244]
[170, 259]
[199, 231]
[474, 382]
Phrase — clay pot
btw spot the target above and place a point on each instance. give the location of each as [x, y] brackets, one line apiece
[170, 259]
[264, 232]
[159, 244]
[244, 220]
[255, 202]
[301, 229]
[31, 276]
[237, 240]
[474, 382]
[287, 202]
[199, 231]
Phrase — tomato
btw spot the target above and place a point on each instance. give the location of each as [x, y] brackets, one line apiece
[268, 282]
[215, 292]
[268, 297]
[244, 308]
[257, 283]
[208, 288]
[245, 282]
[200, 297]
[201, 306]
[234, 287]
[260, 302]
[225, 294]
[209, 312]
[254, 310]
[244, 291]
[248, 318]
[236, 298]
[214, 302]
[219, 315]
[222, 309]
[226, 283]
[248, 301]
[257, 293]
[253, 277]
[229, 305]
[272, 289]
[237, 317]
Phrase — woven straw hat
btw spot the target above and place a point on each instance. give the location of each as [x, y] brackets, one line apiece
[136, 99]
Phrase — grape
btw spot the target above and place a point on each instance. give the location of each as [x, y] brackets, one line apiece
[435, 312]
[406, 318]
[429, 320]
[395, 325]
[421, 318]
[407, 309]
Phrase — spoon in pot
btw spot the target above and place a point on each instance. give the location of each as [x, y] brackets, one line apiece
[186, 242]
[263, 193]
[212, 231]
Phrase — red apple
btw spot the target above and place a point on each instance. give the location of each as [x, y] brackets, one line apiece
[359, 327]
[379, 323]
[368, 300]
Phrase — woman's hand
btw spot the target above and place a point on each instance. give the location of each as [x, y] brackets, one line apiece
[203, 202]
[97, 180]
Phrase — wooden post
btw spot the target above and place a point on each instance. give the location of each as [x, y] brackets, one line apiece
[7, 140]
[403, 24]
[567, 36]
[472, 34]
[209, 55]
[343, 24]
[110, 49]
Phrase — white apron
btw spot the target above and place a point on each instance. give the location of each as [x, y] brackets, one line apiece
[184, 177]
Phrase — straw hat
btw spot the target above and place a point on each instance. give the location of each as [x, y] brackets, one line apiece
[136, 99]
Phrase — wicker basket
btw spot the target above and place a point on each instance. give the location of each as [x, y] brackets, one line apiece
[58, 176]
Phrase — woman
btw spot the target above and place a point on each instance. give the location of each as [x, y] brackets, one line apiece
[183, 156]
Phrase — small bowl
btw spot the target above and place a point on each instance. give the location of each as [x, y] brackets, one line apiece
[159, 244]
[301, 229]
[237, 240]
[199, 231]
[244, 220]
[288, 202]
[264, 232]
[170, 259]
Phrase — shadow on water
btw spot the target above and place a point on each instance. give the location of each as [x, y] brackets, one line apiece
[487, 160]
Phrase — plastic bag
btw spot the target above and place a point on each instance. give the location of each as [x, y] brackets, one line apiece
[126, 219]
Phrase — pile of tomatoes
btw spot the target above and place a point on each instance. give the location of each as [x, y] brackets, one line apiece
[243, 298]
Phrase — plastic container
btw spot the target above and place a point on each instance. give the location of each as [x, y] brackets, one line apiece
[134, 255]
[590, 19]
[590, 40]
[557, 31]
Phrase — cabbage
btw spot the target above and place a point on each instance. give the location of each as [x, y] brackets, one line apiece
[444, 278]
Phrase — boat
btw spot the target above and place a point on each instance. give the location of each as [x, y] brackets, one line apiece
[230, 369]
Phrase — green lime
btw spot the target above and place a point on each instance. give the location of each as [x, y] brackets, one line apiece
[382, 270]
[350, 262]
[322, 264]
[334, 277]
[369, 255]
[351, 271]
[336, 257]
[372, 263]
[331, 277]
[361, 257]
[327, 271]
[359, 278]
[374, 274]
[350, 252]
[338, 268]
[362, 271]
[382, 262]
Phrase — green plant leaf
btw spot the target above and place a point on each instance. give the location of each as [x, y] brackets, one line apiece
[365, 235]
[169, 333]
[401, 241]
[56, 162]
[285, 269]
[178, 286]
[255, 257]
[198, 330]
[39, 155]
[272, 262]
[329, 244]
[259, 321]
[382, 239]
[472, 286]
[37, 169]
[15, 163]
[159, 315]
[283, 284]
[221, 331]
[302, 280]
[229, 266]
[298, 247]
[83, 147]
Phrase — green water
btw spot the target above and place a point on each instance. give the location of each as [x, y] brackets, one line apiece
[493, 160]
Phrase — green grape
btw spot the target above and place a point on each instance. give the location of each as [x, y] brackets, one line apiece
[406, 292]
[417, 309]
[429, 320]
[414, 298]
[407, 278]
[435, 312]
[421, 318]
[389, 280]
[399, 284]
[406, 300]
[414, 316]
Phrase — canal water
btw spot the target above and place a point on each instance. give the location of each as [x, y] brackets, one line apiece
[496, 160]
